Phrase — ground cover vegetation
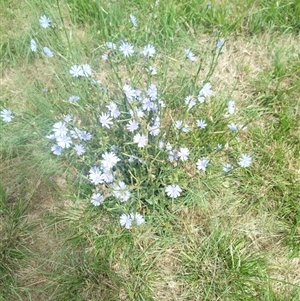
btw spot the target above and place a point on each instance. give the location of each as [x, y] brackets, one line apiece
[150, 150]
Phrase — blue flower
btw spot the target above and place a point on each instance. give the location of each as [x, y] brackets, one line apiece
[45, 21]
[47, 51]
[133, 20]
[6, 115]
[33, 45]
[245, 160]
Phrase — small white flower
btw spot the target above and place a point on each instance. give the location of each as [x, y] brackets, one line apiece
[201, 124]
[86, 70]
[79, 148]
[152, 92]
[190, 101]
[111, 45]
[141, 140]
[33, 45]
[48, 52]
[129, 92]
[109, 160]
[56, 150]
[64, 141]
[245, 160]
[67, 118]
[137, 218]
[178, 124]
[97, 199]
[105, 120]
[104, 57]
[183, 153]
[154, 130]
[231, 107]
[127, 49]
[45, 21]
[96, 175]
[173, 191]
[206, 90]
[113, 109]
[202, 164]
[132, 125]
[151, 70]
[133, 20]
[227, 167]
[220, 43]
[84, 135]
[60, 129]
[73, 98]
[126, 220]
[6, 115]
[233, 127]
[121, 192]
[189, 55]
[76, 71]
[148, 51]
[147, 104]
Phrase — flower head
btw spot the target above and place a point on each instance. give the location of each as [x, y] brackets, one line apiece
[109, 160]
[137, 218]
[45, 21]
[140, 139]
[64, 141]
[126, 220]
[202, 164]
[96, 175]
[33, 45]
[173, 191]
[132, 125]
[245, 160]
[48, 52]
[189, 55]
[227, 167]
[105, 120]
[201, 124]
[127, 49]
[73, 98]
[183, 153]
[56, 150]
[97, 199]
[206, 90]
[230, 107]
[133, 20]
[6, 115]
[148, 51]
[86, 70]
[79, 148]
[76, 71]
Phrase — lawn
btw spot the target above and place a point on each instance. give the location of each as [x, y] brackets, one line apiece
[150, 150]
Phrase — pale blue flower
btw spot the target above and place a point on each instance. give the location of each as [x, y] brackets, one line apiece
[126, 220]
[45, 21]
[111, 45]
[233, 127]
[60, 129]
[127, 49]
[109, 160]
[129, 92]
[33, 45]
[86, 70]
[6, 115]
[113, 109]
[206, 90]
[230, 107]
[183, 153]
[148, 51]
[76, 71]
[189, 55]
[97, 199]
[140, 139]
[121, 192]
[137, 218]
[132, 125]
[79, 148]
[48, 52]
[173, 191]
[201, 124]
[105, 120]
[190, 101]
[245, 160]
[227, 167]
[96, 175]
[152, 92]
[56, 149]
[220, 43]
[73, 98]
[202, 164]
[133, 20]
[67, 118]
[84, 135]
[64, 141]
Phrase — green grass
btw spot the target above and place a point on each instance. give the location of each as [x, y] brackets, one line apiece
[228, 237]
